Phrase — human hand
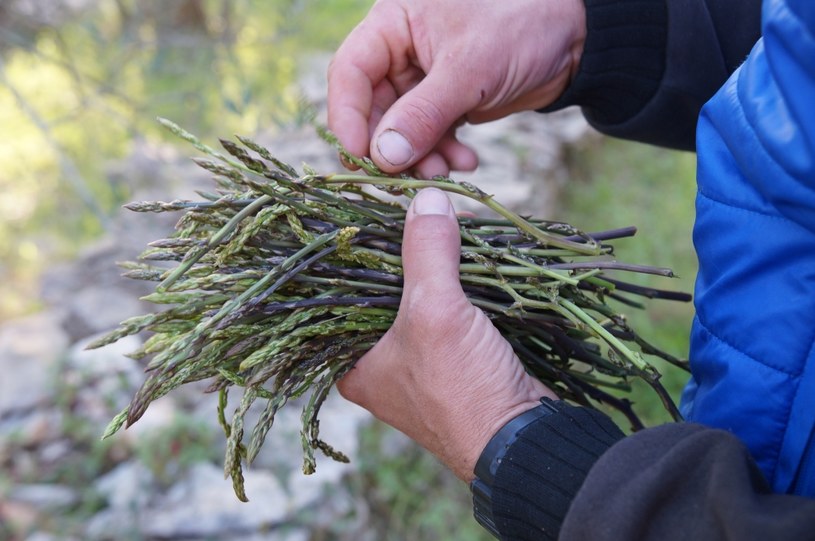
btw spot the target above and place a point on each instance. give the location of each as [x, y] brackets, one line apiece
[413, 70]
[442, 374]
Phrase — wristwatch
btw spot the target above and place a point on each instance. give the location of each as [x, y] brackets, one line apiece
[491, 457]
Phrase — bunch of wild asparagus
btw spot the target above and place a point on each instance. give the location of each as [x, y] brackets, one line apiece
[282, 280]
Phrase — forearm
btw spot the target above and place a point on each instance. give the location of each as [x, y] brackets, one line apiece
[572, 476]
[683, 481]
[648, 66]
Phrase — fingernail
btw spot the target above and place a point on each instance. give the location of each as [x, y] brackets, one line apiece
[431, 201]
[347, 164]
[393, 146]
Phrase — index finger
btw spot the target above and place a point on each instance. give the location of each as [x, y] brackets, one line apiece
[362, 61]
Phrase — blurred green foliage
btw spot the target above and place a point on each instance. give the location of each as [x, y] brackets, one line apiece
[617, 183]
[412, 496]
[76, 94]
[171, 449]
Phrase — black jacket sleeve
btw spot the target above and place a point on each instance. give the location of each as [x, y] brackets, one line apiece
[648, 66]
[573, 476]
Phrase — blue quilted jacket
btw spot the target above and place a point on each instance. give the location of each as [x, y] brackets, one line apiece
[753, 339]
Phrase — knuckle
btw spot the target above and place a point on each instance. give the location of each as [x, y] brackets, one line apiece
[428, 319]
[349, 389]
[333, 66]
[425, 115]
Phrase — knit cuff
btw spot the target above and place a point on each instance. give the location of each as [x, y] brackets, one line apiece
[623, 60]
[544, 468]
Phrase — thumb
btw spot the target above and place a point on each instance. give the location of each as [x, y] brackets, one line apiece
[431, 248]
[418, 120]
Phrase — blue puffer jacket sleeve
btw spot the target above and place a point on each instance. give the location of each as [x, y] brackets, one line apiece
[753, 338]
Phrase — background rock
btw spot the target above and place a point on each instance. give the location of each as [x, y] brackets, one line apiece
[29, 351]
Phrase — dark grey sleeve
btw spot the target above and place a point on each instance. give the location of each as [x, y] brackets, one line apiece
[648, 66]
[683, 481]
[571, 475]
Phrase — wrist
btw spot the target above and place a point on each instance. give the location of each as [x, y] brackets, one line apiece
[529, 473]
[491, 420]
[579, 39]
[566, 66]
[493, 454]
[628, 36]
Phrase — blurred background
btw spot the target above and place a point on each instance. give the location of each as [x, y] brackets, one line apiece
[81, 84]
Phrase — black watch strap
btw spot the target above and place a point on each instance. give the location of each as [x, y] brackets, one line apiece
[491, 457]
